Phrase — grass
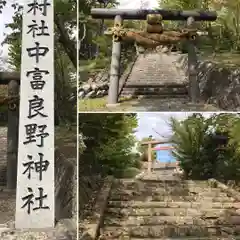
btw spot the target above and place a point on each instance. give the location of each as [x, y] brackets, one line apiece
[99, 104]
[135, 105]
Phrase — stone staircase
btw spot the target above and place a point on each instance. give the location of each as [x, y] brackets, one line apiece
[157, 208]
[156, 83]
[155, 76]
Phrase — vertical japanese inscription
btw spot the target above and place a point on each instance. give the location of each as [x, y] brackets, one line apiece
[35, 185]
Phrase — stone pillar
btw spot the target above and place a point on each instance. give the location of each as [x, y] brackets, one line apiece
[115, 67]
[35, 195]
[194, 91]
[12, 136]
[149, 157]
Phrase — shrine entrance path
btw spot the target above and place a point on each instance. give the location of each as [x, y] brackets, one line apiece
[153, 83]
[159, 85]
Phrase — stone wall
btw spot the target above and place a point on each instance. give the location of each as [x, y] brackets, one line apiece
[65, 186]
[89, 190]
[87, 186]
[218, 85]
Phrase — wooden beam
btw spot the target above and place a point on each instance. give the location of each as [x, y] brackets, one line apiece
[6, 77]
[141, 14]
[163, 148]
[154, 142]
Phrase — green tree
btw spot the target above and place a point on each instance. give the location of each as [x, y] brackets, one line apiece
[109, 141]
[208, 147]
[224, 33]
[188, 138]
[96, 48]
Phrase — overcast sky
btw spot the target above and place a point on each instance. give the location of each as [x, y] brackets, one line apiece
[5, 17]
[151, 122]
[137, 3]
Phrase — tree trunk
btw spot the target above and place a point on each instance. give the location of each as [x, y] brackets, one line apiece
[64, 39]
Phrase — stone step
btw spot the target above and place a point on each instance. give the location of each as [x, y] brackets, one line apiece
[170, 190]
[162, 182]
[154, 90]
[176, 220]
[172, 231]
[139, 185]
[209, 192]
[183, 98]
[171, 204]
[196, 212]
[158, 85]
[164, 197]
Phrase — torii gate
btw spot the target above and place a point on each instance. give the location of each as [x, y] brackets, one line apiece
[153, 36]
[151, 144]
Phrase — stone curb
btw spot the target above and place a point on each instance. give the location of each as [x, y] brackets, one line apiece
[233, 193]
[126, 74]
[99, 209]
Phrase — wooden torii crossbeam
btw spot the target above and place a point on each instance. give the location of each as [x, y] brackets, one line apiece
[141, 14]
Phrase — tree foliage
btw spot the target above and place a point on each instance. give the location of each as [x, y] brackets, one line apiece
[208, 147]
[96, 48]
[224, 33]
[108, 140]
